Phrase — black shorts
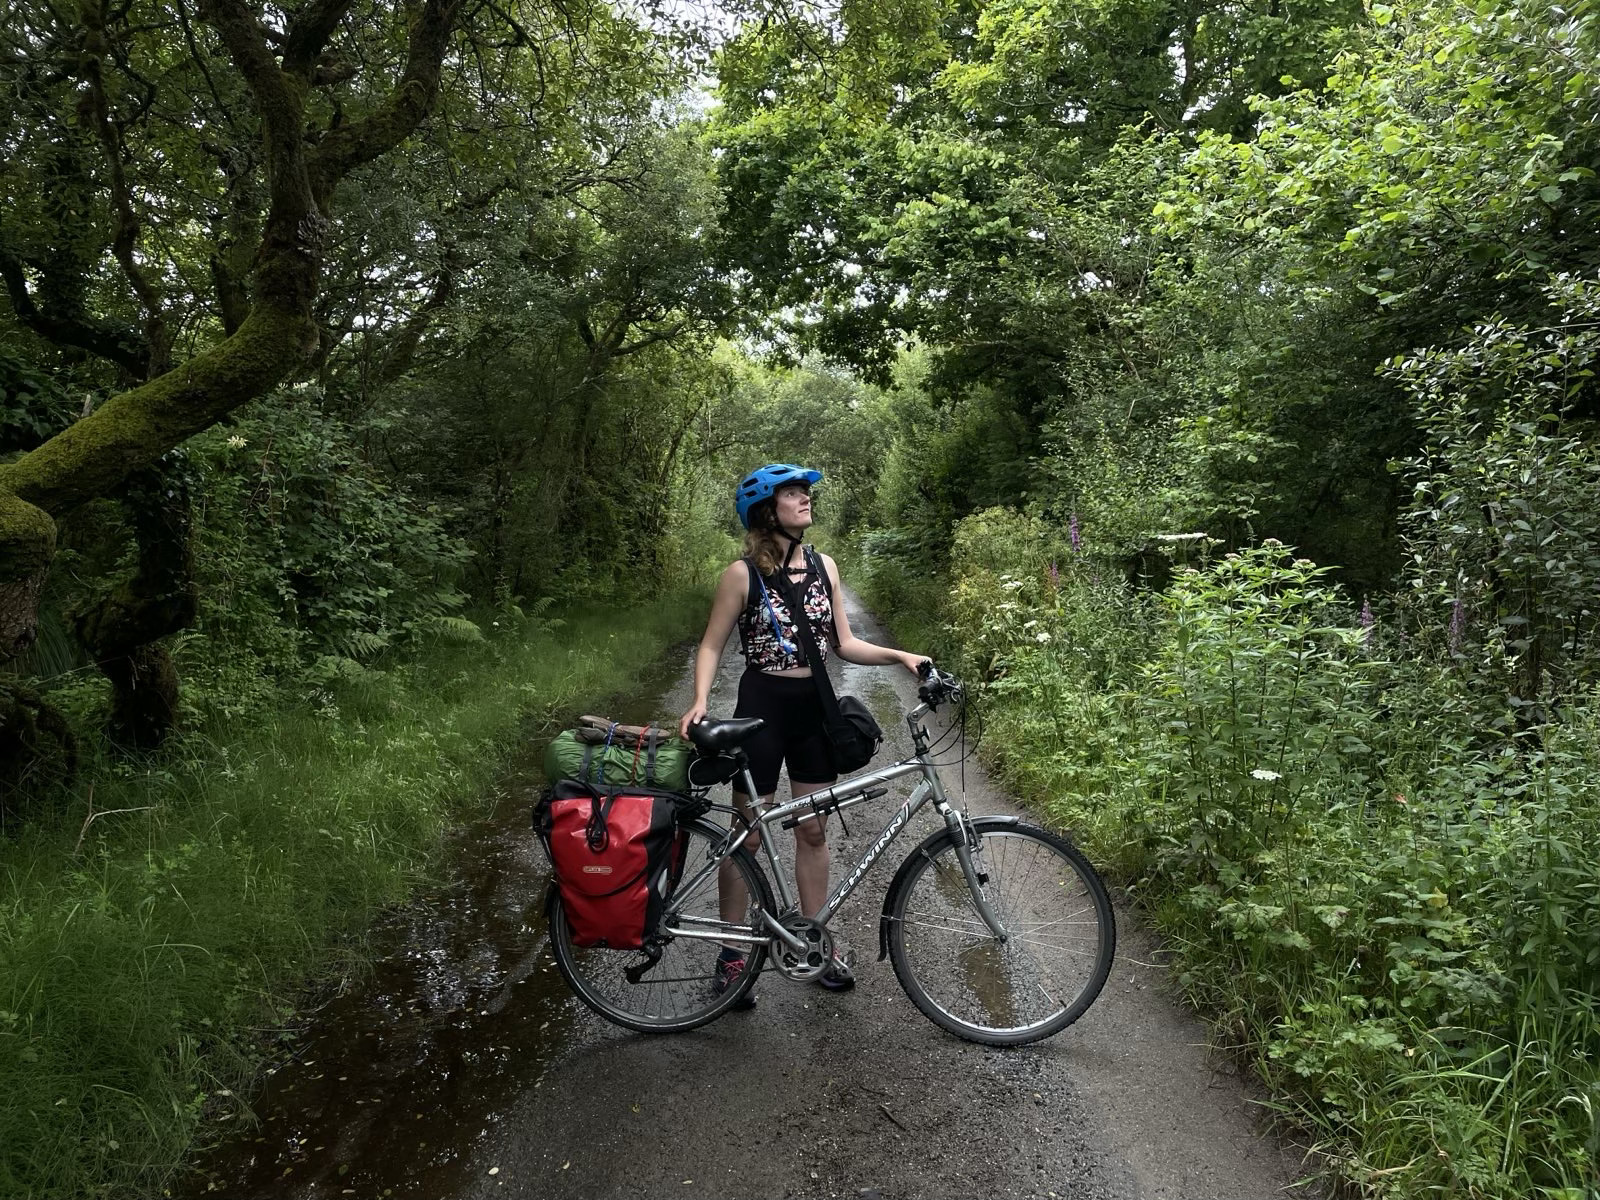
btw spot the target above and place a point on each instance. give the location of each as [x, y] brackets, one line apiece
[794, 732]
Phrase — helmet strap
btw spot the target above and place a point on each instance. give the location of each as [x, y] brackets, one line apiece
[794, 544]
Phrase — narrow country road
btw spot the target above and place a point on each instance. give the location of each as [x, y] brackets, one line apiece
[463, 1069]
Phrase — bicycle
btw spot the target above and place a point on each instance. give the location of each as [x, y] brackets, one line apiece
[1000, 931]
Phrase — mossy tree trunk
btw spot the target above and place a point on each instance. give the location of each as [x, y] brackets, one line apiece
[131, 431]
[123, 631]
[37, 749]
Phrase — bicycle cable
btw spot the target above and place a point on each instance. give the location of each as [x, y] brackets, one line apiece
[957, 731]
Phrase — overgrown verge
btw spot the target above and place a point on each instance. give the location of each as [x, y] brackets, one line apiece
[1367, 830]
[153, 943]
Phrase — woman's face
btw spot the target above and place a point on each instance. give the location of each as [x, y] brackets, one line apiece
[794, 505]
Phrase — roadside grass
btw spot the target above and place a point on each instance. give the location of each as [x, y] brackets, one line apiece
[152, 953]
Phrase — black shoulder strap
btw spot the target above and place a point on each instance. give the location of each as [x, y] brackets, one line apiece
[819, 670]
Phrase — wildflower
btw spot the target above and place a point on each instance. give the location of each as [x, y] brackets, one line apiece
[1013, 585]
[237, 443]
[1264, 774]
[1179, 537]
[1369, 625]
[1400, 800]
[1055, 577]
[1074, 534]
[1041, 638]
[1029, 624]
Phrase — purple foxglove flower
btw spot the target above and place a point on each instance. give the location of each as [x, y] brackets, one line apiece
[1072, 532]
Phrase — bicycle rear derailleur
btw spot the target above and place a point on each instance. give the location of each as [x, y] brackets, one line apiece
[814, 959]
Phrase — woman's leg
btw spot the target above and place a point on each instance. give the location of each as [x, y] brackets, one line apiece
[765, 752]
[732, 896]
[810, 854]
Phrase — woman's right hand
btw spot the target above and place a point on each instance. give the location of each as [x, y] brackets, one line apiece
[696, 714]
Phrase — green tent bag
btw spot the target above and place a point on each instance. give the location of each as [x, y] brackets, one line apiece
[658, 761]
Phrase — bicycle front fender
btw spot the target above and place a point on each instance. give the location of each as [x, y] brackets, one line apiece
[926, 849]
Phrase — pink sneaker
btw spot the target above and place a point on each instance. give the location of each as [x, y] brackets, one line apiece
[728, 972]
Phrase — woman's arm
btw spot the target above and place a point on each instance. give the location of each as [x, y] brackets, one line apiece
[732, 591]
[854, 649]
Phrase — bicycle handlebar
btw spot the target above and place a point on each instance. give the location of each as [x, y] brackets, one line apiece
[937, 686]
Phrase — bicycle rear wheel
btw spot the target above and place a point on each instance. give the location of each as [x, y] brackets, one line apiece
[678, 992]
[1050, 901]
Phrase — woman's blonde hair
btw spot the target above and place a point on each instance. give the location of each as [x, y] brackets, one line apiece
[761, 545]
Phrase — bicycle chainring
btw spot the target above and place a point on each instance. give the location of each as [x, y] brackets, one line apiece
[818, 952]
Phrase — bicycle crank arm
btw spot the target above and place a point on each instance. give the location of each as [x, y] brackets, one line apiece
[792, 940]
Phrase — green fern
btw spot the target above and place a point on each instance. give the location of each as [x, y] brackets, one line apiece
[457, 631]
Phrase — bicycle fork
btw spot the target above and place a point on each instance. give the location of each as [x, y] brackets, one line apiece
[965, 837]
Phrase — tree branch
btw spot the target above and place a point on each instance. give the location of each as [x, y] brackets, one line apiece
[309, 30]
[349, 146]
[125, 235]
[113, 343]
[665, 334]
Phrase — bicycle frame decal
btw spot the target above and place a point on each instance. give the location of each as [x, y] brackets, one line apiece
[896, 823]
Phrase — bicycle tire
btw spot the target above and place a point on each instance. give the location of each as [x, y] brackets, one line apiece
[677, 994]
[960, 975]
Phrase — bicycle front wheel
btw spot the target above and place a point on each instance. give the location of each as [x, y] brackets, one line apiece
[678, 991]
[1061, 934]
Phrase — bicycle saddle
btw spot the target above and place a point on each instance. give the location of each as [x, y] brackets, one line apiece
[724, 735]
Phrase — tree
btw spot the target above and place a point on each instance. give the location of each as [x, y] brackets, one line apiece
[106, 104]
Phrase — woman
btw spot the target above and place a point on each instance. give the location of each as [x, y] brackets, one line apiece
[774, 505]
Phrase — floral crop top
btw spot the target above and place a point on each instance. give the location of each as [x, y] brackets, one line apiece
[762, 649]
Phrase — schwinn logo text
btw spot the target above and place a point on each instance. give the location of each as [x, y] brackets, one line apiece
[884, 839]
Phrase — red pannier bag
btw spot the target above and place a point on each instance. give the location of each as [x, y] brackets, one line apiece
[617, 856]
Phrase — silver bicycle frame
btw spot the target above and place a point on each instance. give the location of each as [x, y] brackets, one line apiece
[847, 793]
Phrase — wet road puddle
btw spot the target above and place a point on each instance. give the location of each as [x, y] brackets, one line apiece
[393, 1082]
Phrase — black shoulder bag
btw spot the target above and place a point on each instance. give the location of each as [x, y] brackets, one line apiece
[850, 725]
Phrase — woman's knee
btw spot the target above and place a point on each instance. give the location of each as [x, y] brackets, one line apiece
[752, 841]
[811, 833]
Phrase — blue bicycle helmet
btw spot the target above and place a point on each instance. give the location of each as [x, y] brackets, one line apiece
[763, 481]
